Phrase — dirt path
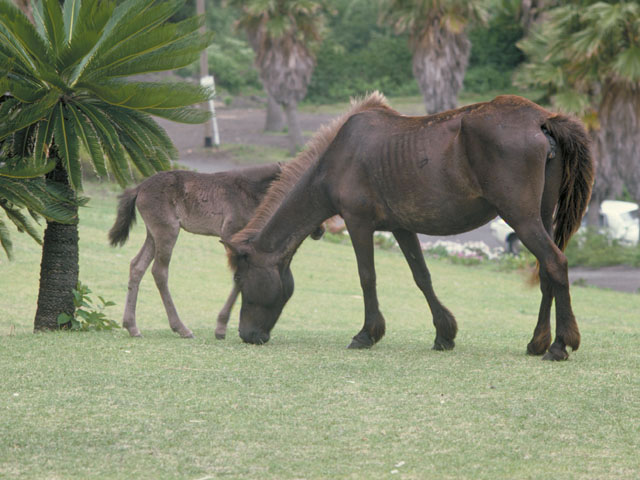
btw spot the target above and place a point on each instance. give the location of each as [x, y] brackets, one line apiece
[244, 126]
[240, 126]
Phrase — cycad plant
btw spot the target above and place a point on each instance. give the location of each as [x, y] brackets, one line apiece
[587, 56]
[65, 85]
[439, 43]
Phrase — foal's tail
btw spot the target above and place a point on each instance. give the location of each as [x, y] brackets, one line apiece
[119, 233]
[577, 175]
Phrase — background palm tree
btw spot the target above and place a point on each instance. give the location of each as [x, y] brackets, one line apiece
[439, 43]
[587, 55]
[65, 86]
[282, 33]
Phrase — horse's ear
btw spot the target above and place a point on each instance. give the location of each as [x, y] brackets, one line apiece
[234, 254]
[318, 232]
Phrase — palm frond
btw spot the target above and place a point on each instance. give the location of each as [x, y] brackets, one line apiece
[84, 128]
[70, 13]
[181, 115]
[146, 95]
[26, 167]
[66, 140]
[111, 33]
[5, 239]
[53, 24]
[19, 36]
[44, 135]
[28, 114]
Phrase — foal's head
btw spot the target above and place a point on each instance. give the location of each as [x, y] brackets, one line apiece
[265, 284]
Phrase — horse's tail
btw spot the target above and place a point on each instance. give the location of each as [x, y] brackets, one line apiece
[125, 219]
[577, 175]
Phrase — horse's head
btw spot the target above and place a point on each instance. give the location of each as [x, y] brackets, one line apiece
[265, 286]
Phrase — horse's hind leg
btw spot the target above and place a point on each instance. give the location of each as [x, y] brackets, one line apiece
[137, 269]
[223, 316]
[374, 325]
[554, 277]
[165, 242]
[443, 319]
[542, 334]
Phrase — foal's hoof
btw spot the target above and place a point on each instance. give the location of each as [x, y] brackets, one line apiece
[187, 335]
[556, 353]
[361, 341]
[442, 344]
[134, 332]
[220, 336]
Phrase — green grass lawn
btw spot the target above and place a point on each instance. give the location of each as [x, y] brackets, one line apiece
[103, 405]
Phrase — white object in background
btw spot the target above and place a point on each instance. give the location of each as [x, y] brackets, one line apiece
[208, 81]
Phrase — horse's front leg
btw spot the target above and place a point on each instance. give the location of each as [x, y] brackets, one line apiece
[443, 319]
[374, 325]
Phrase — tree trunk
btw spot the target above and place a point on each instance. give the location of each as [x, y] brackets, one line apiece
[593, 214]
[275, 116]
[27, 9]
[439, 66]
[295, 133]
[59, 267]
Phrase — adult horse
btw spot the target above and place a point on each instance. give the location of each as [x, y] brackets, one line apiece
[217, 204]
[439, 175]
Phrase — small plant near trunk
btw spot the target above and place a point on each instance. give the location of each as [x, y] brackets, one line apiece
[88, 314]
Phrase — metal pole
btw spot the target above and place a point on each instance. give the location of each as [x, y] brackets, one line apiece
[206, 80]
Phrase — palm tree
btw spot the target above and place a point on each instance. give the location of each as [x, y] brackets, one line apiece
[439, 42]
[65, 80]
[282, 33]
[587, 56]
[25, 189]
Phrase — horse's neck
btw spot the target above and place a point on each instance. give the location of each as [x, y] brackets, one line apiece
[299, 214]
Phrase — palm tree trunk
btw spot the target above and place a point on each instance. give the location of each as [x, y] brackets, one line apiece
[275, 116]
[58, 269]
[295, 132]
[439, 68]
[593, 214]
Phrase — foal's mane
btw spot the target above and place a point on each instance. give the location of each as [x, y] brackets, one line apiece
[292, 171]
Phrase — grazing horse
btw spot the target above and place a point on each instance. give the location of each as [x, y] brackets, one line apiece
[438, 174]
[217, 204]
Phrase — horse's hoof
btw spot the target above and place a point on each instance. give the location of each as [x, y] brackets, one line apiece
[220, 336]
[442, 344]
[557, 354]
[187, 335]
[535, 350]
[360, 342]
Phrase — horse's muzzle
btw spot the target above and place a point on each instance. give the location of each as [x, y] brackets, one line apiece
[254, 337]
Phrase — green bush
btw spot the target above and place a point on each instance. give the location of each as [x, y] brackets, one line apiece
[592, 249]
[494, 55]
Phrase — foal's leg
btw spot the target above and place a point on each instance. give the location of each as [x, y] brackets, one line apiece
[137, 269]
[223, 316]
[443, 319]
[374, 325]
[554, 272]
[165, 241]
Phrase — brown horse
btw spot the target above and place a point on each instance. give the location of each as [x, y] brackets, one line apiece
[439, 175]
[217, 204]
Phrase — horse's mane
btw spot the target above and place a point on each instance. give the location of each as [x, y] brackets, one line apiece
[292, 171]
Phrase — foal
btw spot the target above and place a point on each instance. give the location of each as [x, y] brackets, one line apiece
[217, 204]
